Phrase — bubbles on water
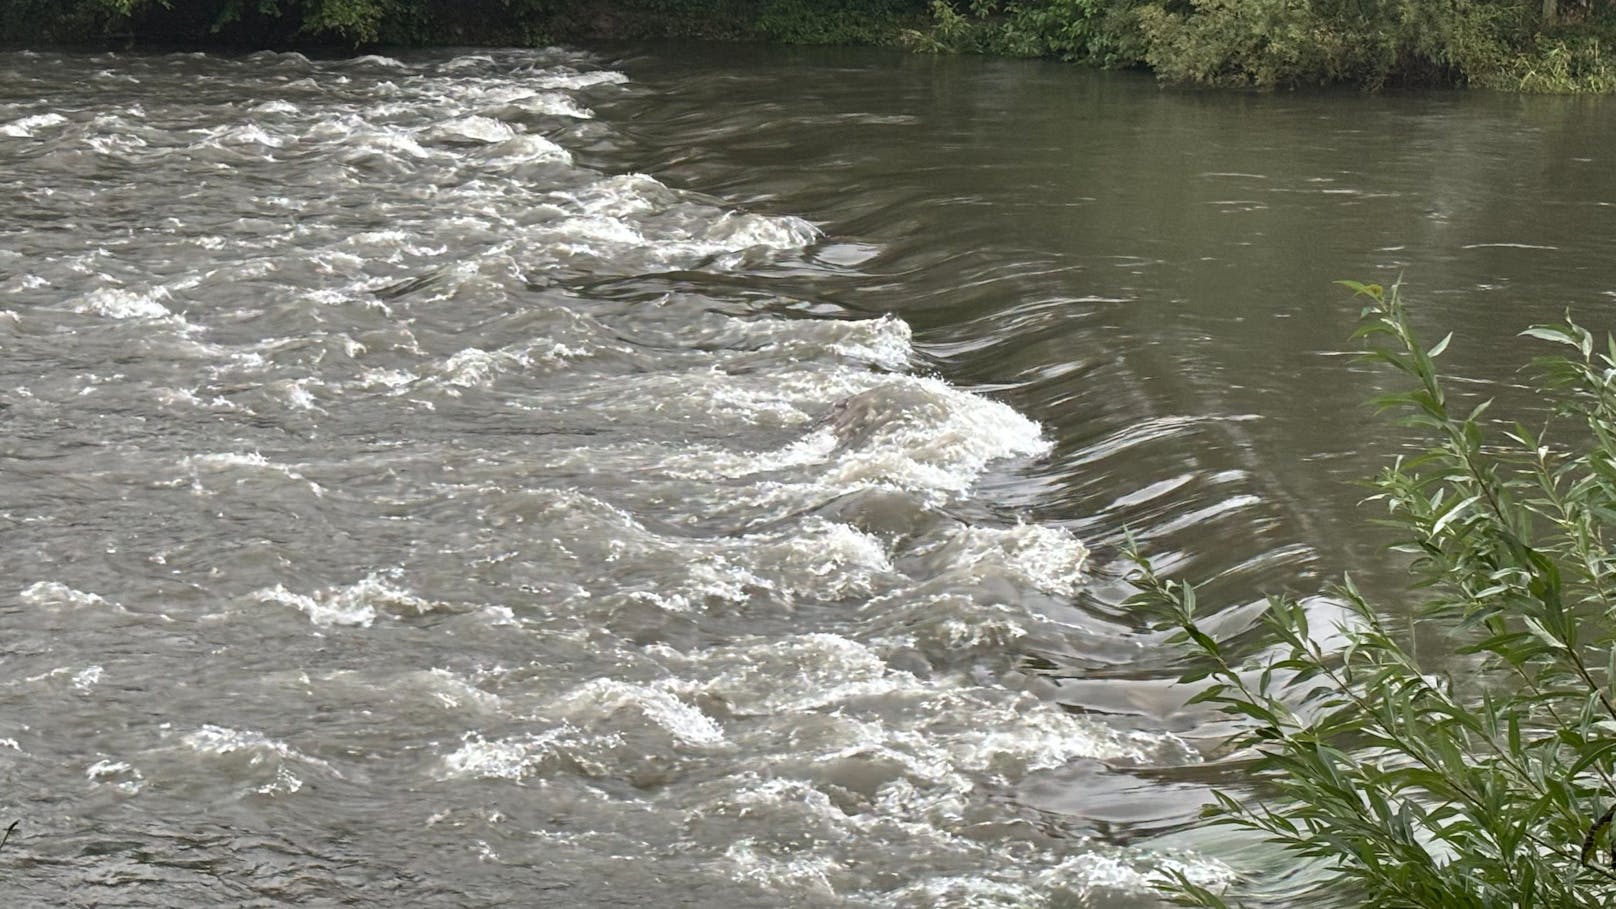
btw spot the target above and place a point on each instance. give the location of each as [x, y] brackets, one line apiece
[122, 776]
[357, 604]
[660, 537]
[472, 129]
[55, 593]
[87, 678]
[27, 127]
[120, 303]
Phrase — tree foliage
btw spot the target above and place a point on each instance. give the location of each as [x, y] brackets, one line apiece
[1513, 44]
[1487, 778]
[426, 22]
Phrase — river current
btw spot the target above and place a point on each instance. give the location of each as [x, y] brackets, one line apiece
[555, 478]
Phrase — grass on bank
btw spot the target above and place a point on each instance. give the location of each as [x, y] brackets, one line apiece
[1488, 784]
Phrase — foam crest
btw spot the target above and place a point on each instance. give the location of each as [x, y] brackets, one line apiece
[519, 757]
[525, 149]
[27, 127]
[120, 775]
[809, 875]
[250, 134]
[211, 739]
[733, 231]
[385, 144]
[276, 107]
[472, 129]
[356, 605]
[803, 673]
[886, 342]
[257, 758]
[1120, 873]
[922, 434]
[55, 593]
[575, 80]
[602, 700]
[1045, 558]
[378, 61]
[122, 303]
[226, 462]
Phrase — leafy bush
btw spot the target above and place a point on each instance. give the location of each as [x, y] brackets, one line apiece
[833, 21]
[1091, 31]
[1494, 790]
[1570, 64]
[1271, 43]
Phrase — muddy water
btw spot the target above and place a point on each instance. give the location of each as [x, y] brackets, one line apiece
[689, 475]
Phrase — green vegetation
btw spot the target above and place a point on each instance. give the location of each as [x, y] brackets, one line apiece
[1485, 777]
[440, 22]
[1525, 45]
[1510, 44]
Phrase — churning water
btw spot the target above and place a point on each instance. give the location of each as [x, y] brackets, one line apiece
[695, 478]
[357, 553]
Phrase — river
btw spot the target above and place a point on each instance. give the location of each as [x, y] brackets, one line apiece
[694, 474]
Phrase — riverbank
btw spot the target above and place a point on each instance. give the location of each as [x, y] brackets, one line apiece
[1515, 45]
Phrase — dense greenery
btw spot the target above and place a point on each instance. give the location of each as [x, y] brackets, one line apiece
[1515, 44]
[1532, 45]
[1484, 775]
[437, 22]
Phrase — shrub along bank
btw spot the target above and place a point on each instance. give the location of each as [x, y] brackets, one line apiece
[1483, 775]
[1528, 45]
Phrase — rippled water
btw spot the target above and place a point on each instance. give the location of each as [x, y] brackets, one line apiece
[534, 478]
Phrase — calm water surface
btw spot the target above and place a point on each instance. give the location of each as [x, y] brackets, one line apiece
[692, 475]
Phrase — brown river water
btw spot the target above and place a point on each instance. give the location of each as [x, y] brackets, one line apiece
[695, 475]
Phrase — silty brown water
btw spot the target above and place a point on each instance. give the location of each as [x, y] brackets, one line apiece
[689, 475]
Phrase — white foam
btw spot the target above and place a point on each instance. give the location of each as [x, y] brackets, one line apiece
[1048, 558]
[573, 81]
[120, 303]
[87, 678]
[473, 128]
[455, 691]
[378, 60]
[211, 739]
[107, 767]
[598, 699]
[555, 105]
[517, 757]
[805, 874]
[965, 891]
[469, 61]
[472, 367]
[25, 127]
[735, 232]
[297, 395]
[924, 435]
[526, 149]
[1125, 873]
[55, 593]
[886, 342]
[354, 605]
[226, 460]
[120, 775]
[385, 143]
[799, 674]
[234, 461]
[251, 134]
